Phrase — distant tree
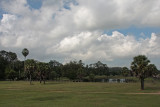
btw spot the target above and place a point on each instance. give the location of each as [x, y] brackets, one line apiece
[70, 70]
[10, 73]
[40, 69]
[152, 70]
[53, 75]
[125, 71]
[25, 52]
[30, 66]
[3, 63]
[45, 72]
[115, 71]
[57, 67]
[7, 60]
[99, 68]
[140, 66]
[19, 67]
[80, 74]
[92, 77]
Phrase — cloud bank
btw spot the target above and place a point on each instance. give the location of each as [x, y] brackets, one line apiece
[74, 29]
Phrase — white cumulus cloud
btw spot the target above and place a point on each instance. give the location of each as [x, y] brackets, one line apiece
[76, 32]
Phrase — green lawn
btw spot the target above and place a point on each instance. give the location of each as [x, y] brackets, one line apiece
[74, 94]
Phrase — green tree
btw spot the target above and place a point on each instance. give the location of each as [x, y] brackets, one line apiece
[140, 66]
[152, 70]
[3, 63]
[80, 74]
[91, 77]
[19, 67]
[7, 60]
[30, 65]
[45, 71]
[70, 70]
[40, 69]
[99, 68]
[56, 67]
[125, 71]
[53, 75]
[10, 73]
[25, 52]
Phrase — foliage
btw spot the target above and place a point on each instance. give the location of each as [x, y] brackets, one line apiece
[73, 70]
[56, 67]
[7, 60]
[99, 68]
[10, 74]
[142, 69]
[53, 75]
[152, 70]
[30, 66]
[54, 70]
[115, 71]
[125, 71]
[25, 52]
[91, 77]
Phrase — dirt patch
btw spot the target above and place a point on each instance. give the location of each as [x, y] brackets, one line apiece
[13, 89]
[157, 93]
[58, 91]
[63, 91]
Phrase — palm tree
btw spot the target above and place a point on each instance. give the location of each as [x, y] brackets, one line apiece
[25, 52]
[30, 68]
[40, 68]
[139, 67]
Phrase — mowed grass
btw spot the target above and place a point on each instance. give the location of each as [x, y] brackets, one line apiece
[78, 94]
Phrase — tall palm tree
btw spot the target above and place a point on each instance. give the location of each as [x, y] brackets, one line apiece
[25, 52]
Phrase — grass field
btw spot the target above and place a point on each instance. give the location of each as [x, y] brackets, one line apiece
[71, 94]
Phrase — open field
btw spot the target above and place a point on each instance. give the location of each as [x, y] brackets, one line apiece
[71, 94]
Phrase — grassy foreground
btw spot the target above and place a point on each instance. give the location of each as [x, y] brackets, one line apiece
[70, 94]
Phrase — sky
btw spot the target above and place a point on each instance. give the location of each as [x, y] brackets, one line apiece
[110, 31]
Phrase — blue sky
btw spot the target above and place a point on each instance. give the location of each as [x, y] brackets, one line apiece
[138, 32]
[110, 31]
[36, 4]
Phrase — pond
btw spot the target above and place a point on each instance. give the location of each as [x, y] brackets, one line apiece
[111, 80]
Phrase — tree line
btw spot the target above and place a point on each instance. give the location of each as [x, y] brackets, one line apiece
[11, 68]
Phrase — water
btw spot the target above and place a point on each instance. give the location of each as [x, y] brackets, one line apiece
[117, 80]
[111, 80]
